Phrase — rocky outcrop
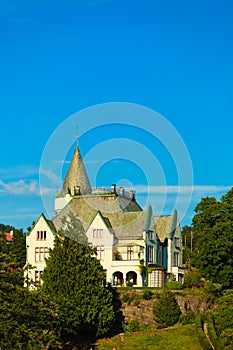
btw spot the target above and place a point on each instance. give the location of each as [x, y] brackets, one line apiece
[142, 310]
[195, 304]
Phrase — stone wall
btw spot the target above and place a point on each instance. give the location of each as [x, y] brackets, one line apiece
[142, 310]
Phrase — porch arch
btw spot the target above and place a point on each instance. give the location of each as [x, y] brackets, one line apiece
[131, 276]
[118, 278]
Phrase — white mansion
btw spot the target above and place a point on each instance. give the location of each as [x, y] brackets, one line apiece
[128, 239]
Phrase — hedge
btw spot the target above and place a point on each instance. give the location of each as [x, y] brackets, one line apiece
[201, 335]
[212, 333]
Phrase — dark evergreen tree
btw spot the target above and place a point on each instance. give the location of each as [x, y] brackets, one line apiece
[75, 280]
[28, 320]
[166, 310]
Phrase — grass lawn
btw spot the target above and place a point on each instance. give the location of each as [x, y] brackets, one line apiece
[174, 338]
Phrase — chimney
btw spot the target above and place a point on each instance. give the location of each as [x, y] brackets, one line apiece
[122, 192]
[113, 189]
[132, 195]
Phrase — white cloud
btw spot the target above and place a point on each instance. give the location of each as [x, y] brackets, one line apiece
[61, 161]
[22, 187]
[140, 189]
[51, 176]
[18, 171]
[94, 161]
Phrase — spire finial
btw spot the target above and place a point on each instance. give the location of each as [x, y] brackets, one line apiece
[76, 134]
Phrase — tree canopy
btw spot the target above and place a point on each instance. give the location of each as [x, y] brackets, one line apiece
[166, 310]
[213, 227]
[17, 246]
[28, 319]
[75, 280]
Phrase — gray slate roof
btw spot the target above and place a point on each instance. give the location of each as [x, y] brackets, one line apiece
[76, 176]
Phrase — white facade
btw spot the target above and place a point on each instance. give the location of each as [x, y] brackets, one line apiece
[128, 240]
[38, 243]
[101, 237]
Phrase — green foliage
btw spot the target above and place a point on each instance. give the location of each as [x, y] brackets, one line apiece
[174, 285]
[187, 318]
[75, 280]
[129, 284]
[132, 326]
[224, 320]
[212, 333]
[166, 310]
[127, 298]
[174, 338]
[28, 320]
[213, 290]
[192, 278]
[213, 226]
[9, 269]
[201, 335]
[16, 247]
[147, 295]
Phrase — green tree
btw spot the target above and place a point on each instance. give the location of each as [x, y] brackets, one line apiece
[17, 246]
[213, 226]
[28, 320]
[166, 310]
[75, 280]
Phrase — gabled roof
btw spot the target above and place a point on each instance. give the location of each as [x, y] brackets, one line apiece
[76, 176]
[49, 223]
[122, 215]
[165, 226]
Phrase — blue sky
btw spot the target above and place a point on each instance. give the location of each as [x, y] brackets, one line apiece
[59, 57]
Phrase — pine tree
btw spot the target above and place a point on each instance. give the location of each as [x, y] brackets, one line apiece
[75, 280]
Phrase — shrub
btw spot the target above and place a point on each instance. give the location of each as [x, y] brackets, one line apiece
[127, 298]
[201, 335]
[212, 289]
[212, 333]
[166, 311]
[224, 320]
[192, 278]
[132, 326]
[147, 295]
[174, 285]
[188, 318]
[136, 300]
[129, 284]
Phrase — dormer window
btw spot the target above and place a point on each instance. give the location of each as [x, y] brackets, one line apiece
[177, 242]
[41, 235]
[150, 235]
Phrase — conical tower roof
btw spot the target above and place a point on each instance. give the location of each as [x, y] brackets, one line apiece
[76, 180]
